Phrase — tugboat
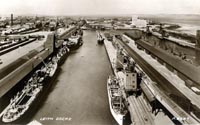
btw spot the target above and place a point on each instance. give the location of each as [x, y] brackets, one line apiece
[117, 107]
[100, 38]
[23, 100]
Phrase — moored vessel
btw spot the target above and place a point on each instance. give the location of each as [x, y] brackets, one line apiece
[116, 103]
[52, 67]
[74, 42]
[23, 99]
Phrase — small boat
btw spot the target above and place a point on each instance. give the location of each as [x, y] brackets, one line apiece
[117, 107]
[100, 38]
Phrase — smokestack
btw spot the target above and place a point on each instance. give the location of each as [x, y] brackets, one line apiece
[198, 38]
[11, 20]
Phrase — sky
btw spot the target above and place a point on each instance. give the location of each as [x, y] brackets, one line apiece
[99, 7]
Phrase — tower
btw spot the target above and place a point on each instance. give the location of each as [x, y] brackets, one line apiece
[11, 20]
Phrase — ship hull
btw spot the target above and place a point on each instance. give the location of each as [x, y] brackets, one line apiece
[20, 105]
[25, 108]
[54, 70]
[118, 117]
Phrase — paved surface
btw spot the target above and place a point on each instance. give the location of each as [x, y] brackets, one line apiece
[79, 94]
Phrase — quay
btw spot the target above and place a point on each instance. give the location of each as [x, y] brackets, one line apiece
[140, 113]
[159, 74]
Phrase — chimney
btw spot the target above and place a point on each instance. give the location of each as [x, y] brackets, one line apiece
[11, 20]
[198, 38]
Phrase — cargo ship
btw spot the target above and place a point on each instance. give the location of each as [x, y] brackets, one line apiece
[23, 99]
[74, 42]
[115, 98]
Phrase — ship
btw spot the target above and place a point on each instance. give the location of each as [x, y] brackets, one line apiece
[62, 52]
[100, 39]
[74, 42]
[52, 67]
[115, 98]
[23, 99]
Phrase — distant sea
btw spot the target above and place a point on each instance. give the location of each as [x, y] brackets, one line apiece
[189, 23]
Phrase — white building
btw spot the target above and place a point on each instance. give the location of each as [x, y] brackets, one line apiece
[138, 22]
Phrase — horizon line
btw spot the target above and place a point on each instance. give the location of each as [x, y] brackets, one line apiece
[85, 15]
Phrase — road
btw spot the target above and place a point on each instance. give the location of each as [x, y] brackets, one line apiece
[79, 94]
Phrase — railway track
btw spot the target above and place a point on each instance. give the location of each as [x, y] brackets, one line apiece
[8, 48]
